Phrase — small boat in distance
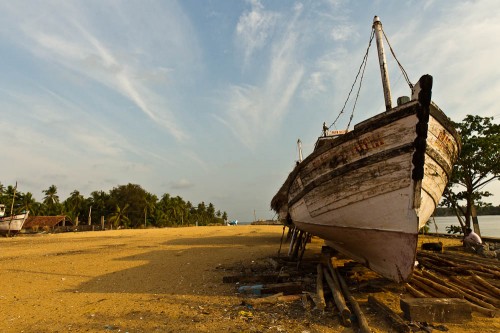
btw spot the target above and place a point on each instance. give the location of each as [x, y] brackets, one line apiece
[11, 225]
[368, 191]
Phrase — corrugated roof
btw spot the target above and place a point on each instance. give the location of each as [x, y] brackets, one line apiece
[46, 221]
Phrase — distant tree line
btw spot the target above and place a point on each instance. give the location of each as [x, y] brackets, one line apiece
[128, 206]
[485, 210]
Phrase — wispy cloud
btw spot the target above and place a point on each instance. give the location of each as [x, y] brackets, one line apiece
[181, 184]
[254, 29]
[64, 37]
[253, 111]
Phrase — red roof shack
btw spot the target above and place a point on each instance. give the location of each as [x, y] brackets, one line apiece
[46, 222]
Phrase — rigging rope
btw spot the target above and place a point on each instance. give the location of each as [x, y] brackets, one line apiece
[361, 71]
[361, 68]
[357, 94]
[399, 64]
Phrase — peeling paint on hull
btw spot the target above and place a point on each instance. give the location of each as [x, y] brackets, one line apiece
[368, 192]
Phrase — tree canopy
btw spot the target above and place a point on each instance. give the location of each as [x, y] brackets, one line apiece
[127, 206]
[477, 165]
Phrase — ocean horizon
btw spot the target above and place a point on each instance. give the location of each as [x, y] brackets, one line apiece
[488, 224]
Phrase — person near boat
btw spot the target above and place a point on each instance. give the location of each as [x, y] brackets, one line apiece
[472, 240]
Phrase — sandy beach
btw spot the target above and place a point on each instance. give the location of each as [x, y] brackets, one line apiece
[155, 280]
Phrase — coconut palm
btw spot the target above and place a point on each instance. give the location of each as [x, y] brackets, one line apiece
[119, 217]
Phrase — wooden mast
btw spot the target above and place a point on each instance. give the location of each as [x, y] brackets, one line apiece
[299, 147]
[377, 25]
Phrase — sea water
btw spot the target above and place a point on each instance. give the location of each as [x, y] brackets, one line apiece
[488, 224]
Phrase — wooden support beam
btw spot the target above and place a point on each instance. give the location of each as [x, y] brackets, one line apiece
[319, 288]
[345, 313]
[363, 323]
[443, 310]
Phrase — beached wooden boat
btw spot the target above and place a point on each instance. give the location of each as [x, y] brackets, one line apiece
[11, 224]
[368, 191]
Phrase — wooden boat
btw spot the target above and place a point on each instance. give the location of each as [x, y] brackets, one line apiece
[368, 191]
[11, 225]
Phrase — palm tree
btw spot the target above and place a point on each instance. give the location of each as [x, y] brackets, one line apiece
[51, 196]
[28, 203]
[119, 217]
[149, 206]
[74, 204]
[51, 200]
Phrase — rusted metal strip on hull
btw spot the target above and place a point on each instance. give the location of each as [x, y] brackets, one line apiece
[391, 254]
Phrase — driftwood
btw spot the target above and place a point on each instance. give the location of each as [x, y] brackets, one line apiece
[428, 263]
[345, 313]
[363, 323]
[477, 294]
[395, 319]
[316, 300]
[459, 262]
[441, 288]
[319, 288]
[414, 291]
[426, 288]
[273, 299]
[464, 284]
[480, 309]
[483, 262]
[494, 290]
[468, 295]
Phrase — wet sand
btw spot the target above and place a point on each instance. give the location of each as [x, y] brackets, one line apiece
[155, 280]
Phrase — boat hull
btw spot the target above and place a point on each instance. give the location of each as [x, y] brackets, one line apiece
[368, 192]
[12, 224]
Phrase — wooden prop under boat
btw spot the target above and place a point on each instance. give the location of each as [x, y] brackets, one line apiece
[368, 192]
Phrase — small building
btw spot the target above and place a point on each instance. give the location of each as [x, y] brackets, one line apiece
[47, 223]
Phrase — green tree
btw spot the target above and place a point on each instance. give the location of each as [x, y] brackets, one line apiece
[135, 197]
[28, 203]
[51, 201]
[477, 165]
[101, 204]
[119, 217]
[74, 205]
[149, 207]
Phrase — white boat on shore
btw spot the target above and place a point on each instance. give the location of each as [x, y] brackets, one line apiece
[11, 225]
[368, 191]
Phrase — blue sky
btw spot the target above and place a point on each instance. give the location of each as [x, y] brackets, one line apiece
[206, 99]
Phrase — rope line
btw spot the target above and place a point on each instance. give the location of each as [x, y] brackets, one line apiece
[357, 94]
[399, 64]
[361, 71]
[361, 67]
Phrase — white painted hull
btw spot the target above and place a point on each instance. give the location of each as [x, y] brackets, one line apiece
[13, 223]
[368, 192]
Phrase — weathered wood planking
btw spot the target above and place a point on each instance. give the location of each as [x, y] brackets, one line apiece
[368, 192]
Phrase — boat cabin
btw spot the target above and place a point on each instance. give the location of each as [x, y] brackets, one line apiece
[328, 135]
